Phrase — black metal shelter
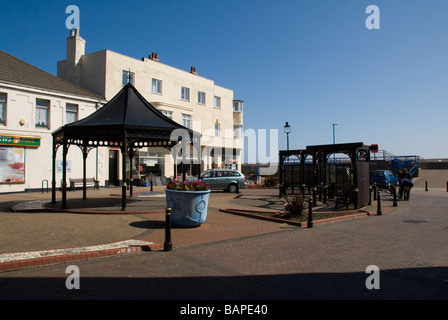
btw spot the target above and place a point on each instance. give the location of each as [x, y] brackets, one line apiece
[311, 171]
[128, 122]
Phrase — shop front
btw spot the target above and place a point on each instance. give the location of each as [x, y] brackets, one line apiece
[147, 166]
[12, 157]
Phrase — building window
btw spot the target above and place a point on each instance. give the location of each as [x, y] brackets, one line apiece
[217, 130]
[2, 108]
[186, 120]
[168, 114]
[201, 97]
[156, 86]
[238, 132]
[42, 113]
[71, 113]
[152, 163]
[217, 102]
[185, 94]
[128, 77]
[238, 106]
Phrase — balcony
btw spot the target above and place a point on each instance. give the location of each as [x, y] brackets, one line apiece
[237, 112]
[237, 118]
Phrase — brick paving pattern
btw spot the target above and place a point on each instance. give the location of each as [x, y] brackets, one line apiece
[233, 257]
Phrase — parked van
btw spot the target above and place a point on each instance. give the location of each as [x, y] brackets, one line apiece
[383, 178]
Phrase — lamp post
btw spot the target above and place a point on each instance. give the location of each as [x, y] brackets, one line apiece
[287, 130]
[334, 141]
[334, 138]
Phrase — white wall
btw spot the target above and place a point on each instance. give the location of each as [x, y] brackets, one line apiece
[21, 104]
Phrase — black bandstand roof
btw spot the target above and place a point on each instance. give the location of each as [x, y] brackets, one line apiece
[127, 114]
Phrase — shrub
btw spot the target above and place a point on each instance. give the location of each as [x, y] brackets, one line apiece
[295, 205]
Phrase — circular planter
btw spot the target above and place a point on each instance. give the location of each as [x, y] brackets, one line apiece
[188, 208]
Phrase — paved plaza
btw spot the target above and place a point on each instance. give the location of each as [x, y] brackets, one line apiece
[233, 257]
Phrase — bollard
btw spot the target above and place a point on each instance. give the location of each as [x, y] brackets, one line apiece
[310, 214]
[426, 185]
[395, 197]
[447, 186]
[168, 246]
[378, 211]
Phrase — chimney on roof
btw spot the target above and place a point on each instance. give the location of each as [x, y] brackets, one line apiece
[154, 56]
[76, 48]
[193, 70]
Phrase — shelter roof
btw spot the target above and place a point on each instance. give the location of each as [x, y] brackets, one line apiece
[337, 148]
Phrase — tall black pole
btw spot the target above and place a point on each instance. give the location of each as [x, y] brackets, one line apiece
[64, 174]
[123, 185]
[378, 211]
[131, 179]
[84, 173]
[53, 179]
[167, 246]
[310, 214]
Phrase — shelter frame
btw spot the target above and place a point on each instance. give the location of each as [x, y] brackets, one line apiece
[313, 173]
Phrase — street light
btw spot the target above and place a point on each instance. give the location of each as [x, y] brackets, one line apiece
[334, 141]
[287, 130]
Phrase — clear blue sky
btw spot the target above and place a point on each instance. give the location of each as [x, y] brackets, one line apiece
[309, 62]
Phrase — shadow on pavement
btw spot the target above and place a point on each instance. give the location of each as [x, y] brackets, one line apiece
[397, 284]
[148, 224]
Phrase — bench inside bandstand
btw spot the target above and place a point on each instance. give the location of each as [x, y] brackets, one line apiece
[89, 182]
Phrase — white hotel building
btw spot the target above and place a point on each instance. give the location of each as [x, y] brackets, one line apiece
[184, 96]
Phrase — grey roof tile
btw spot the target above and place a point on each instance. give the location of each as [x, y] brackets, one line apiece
[16, 71]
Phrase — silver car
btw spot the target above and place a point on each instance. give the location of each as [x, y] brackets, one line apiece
[225, 179]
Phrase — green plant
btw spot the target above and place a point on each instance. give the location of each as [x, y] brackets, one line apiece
[295, 205]
[195, 185]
